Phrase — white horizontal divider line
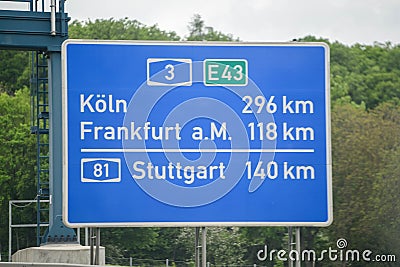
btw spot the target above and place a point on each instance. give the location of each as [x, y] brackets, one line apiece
[196, 150]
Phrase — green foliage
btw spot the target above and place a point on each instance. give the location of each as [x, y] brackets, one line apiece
[175, 244]
[14, 70]
[367, 74]
[365, 155]
[255, 238]
[198, 31]
[129, 242]
[17, 158]
[123, 29]
[387, 185]
[225, 246]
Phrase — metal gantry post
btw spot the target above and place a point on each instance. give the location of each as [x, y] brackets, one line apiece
[57, 232]
[55, 117]
[45, 32]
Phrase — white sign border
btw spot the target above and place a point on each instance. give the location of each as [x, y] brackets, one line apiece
[193, 224]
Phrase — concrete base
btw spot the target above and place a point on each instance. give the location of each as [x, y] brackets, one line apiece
[75, 254]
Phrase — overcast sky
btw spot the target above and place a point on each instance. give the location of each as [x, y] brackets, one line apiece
[348, 21]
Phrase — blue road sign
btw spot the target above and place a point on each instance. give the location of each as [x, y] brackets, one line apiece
[196, 134]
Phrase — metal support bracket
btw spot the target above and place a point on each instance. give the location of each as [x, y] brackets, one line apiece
[59, 233]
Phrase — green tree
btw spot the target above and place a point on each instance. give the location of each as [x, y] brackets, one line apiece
[123, 243]
[14, 70]
[256, 238]
[385, 194]
[198, 31]
[17, 158]
[175, 244]
[364, 144]
[368, 74]
[225, 246]
[123, 29]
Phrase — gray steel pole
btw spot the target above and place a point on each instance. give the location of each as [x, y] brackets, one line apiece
[290, 243]
[78, 235]
[53, 18]
[86, 236]
[298, 261]
[97, 246]
[204, 247]
[9, 231]
[196, 247]
[91, 241]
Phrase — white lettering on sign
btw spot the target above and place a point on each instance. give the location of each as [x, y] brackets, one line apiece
[131, 132]
[211, 72]
[215, 132]
[272, 170]
[297, 106]
[102, 103]
[297, 133]
[177, 171]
